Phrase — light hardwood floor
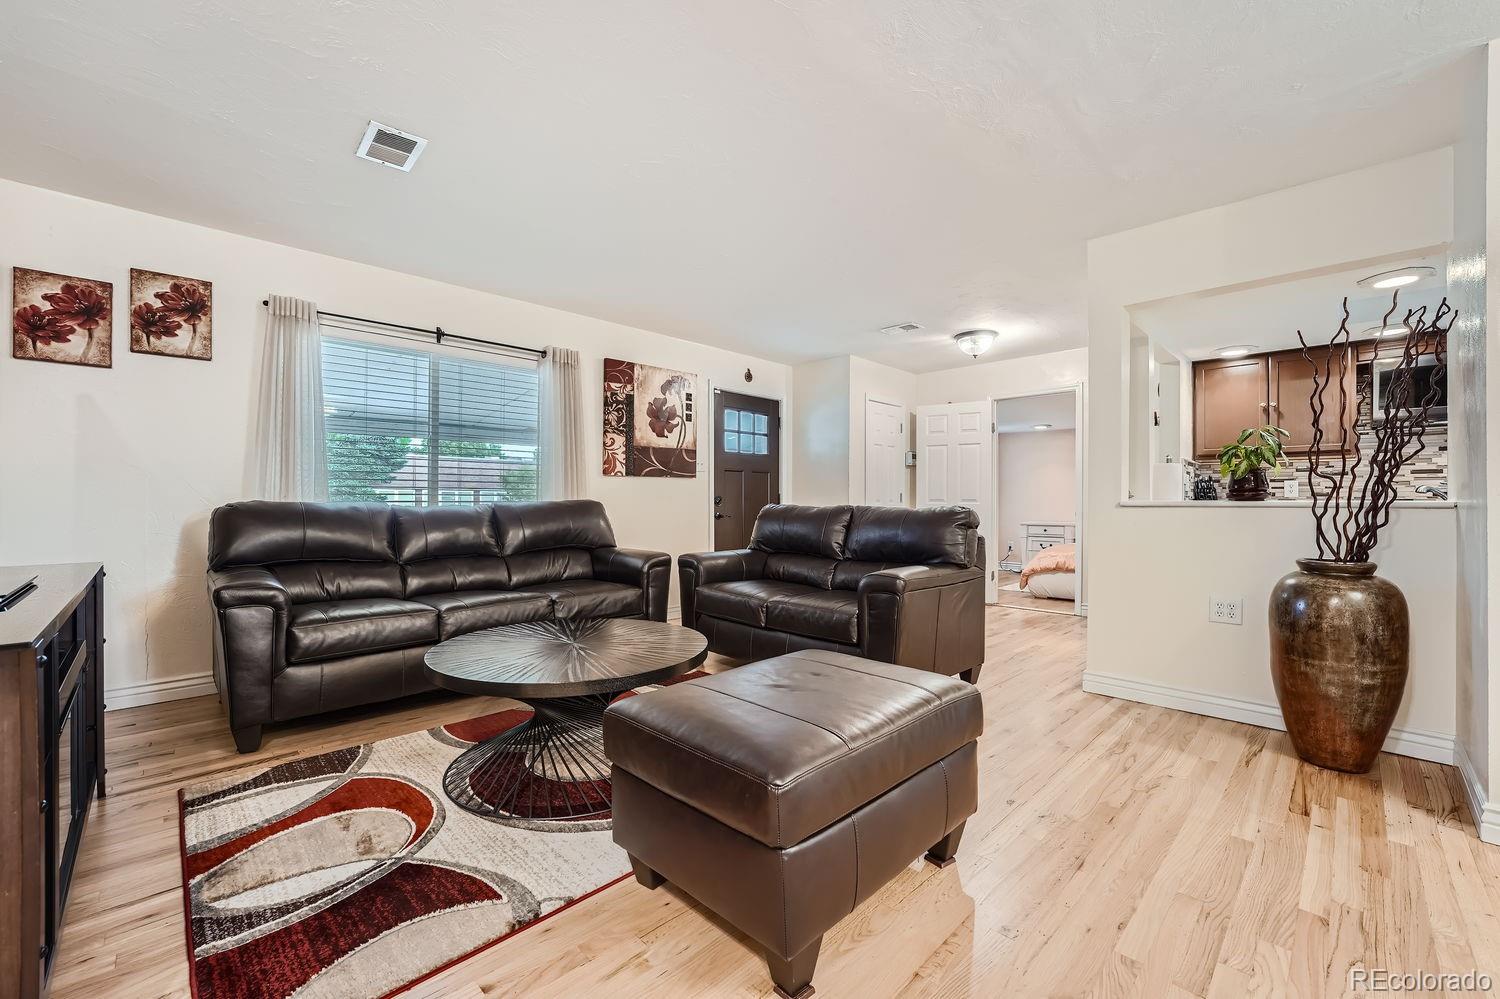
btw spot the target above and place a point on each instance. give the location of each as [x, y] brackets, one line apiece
[1119, 849]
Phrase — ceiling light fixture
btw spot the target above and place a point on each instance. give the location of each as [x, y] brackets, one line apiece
[1041, 426]
[1398, 278]
[975, 342]
[1236, 350]
[1394, 329]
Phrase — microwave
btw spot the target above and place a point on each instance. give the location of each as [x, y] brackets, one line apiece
[1425, 377]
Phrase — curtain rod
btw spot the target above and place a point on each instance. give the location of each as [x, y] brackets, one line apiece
[437, 334]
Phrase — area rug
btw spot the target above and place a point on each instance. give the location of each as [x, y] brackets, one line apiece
[350, 874]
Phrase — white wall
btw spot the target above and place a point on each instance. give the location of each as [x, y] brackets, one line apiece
[820, 432]
[1038, 480]
[1151, 570]
[869, 380]
[123, 465]
[998, 379]
[1475, 438]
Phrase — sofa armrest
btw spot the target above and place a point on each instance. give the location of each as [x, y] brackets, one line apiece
[247, 587]
[703, 568]
[250, 609]
[925, 616]
[651, 571]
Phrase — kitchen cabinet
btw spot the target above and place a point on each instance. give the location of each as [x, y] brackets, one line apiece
[1229, 394]
[1290, 386]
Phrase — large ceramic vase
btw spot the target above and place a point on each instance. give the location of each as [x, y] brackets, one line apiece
[1340, 643]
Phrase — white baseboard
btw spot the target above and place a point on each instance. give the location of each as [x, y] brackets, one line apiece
[1416, 743]
[133, 695]
[1486, 813]
[1010, 566]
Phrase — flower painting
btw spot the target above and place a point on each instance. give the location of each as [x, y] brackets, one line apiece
[171, 315]
[60, 318]
[649, 424]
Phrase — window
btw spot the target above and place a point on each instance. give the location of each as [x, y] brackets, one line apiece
[418, 428]
[746, 432]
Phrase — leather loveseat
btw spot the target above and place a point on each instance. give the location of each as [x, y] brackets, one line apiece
[901, 586]
[323, 606]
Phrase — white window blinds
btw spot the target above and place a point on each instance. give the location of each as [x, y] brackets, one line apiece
[414, 427]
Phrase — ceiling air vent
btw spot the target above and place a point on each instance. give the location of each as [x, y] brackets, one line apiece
[390, 146]
[899, 329]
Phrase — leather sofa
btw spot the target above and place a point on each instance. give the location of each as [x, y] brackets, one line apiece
[324, 606]
[887, 583]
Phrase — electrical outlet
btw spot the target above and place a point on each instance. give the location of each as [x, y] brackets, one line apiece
[1225, 610]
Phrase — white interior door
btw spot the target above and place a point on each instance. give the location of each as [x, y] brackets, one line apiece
[956, 466]
[885, 448]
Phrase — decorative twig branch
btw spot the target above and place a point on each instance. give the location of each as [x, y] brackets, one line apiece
[1348, 521]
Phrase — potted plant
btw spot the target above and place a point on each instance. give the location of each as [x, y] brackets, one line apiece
[1340, 634]
[1244, 463]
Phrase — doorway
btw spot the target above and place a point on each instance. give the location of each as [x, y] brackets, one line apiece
[747, 464]
[1039, 501]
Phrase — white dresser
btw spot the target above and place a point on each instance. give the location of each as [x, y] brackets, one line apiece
[1041, 535]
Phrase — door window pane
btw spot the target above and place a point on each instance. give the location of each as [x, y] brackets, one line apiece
[761, 443]
[732, 443]
[731, 419]
[762, 423]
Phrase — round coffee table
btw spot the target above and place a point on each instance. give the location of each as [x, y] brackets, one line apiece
[552, 766]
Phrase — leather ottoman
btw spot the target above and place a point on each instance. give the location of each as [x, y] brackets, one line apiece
[783, 793]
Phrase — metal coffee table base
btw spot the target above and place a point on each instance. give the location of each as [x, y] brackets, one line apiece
[550, 767]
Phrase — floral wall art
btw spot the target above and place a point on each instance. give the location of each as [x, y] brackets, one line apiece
[650, 426]
[60, 318]
[171, 315]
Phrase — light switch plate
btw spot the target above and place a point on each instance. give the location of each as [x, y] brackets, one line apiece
[1226, 610]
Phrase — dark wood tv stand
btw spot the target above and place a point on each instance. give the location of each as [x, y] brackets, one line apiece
[51, 757]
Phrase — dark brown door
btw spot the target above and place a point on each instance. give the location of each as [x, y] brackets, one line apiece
[1228, 396]
[747, 464]
[1291, 381]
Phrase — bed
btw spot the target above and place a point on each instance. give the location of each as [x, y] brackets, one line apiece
[1052, 574]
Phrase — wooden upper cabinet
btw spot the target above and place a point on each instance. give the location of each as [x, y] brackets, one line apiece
[1290, 379]
[1228, 396]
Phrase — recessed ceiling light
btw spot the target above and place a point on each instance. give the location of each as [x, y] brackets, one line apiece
[1041, 426]
[1394, 329]
[1237, 350]
[975, 342]
[1398, 278]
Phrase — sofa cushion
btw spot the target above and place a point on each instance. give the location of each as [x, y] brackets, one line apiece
[473, 610]
[529, 527]
[745, 600]
[809, 570]
[933, 536]
[830, 614]
[262, 532]
[333, 628]
[549, 566]
[804, 530]
[424, 532]
[589, 598]
[313, 582]
[782, 748]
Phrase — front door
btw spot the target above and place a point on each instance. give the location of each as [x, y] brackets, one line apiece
[747, 464]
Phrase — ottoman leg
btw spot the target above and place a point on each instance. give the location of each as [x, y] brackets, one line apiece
[646, 876]
[794, 978]
[944, 851]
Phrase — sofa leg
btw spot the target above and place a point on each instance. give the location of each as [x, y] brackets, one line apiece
[646, 876]
[794, 978]
[946, 849]
[971, 675]
[247, 739]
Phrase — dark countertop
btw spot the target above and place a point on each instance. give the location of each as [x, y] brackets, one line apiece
[59, 588]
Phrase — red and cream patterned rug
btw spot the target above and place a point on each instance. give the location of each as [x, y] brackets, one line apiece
[350, 875]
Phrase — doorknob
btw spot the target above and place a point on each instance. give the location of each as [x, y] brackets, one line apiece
[720, 516]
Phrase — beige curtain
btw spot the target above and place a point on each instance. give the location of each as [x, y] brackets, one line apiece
[289, 426]
[560, 430]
